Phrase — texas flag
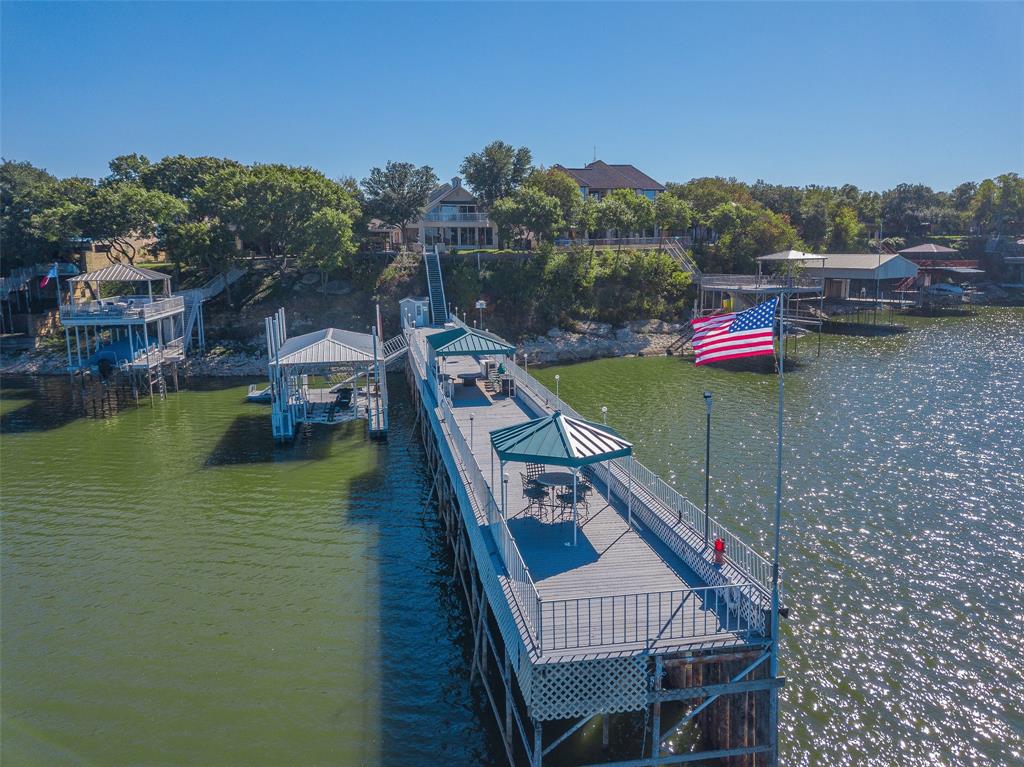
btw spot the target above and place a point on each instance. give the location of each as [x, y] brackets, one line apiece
[52, 274]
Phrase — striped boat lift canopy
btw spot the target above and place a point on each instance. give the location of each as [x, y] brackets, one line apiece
[559, 440]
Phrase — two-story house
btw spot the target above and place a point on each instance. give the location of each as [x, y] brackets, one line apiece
[599, 178]
[453, 218]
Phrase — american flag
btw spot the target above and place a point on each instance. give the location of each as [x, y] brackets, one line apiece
[733, 335]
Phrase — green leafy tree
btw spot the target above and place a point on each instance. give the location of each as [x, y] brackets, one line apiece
[560, 185]
[24, 193]
[207, 243]
[496, 171]
[671, 214]
[816, 218]
[397, 193]
[527, 211]
[328, 242]
[847, 233]
[746, 232]
[706, 194]
[615, 214]
[641, 210]
[127, 168]
[270, 204]
[181, 176]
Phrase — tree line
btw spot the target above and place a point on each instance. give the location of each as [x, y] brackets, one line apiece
[207, 212]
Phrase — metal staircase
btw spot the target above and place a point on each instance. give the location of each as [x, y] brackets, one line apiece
[682, 257]
[393, 350]
[438, 305]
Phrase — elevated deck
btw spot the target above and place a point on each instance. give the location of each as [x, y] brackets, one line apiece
[640, 580]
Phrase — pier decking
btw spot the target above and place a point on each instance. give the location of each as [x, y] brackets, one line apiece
[617, 587]
[638, 612]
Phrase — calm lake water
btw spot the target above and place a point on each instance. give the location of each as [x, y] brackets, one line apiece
[176, 589]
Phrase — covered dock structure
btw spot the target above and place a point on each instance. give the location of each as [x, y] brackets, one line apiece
[127, 318]
[594, 591]
[329, 376]
[778, 274]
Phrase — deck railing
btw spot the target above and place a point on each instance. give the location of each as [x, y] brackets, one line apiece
[123, 308]
[646, 617]
[754, 281]
[684, 518]
[520, 580]
[643, 617]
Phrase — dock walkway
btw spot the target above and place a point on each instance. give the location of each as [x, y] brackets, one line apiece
[624, 589]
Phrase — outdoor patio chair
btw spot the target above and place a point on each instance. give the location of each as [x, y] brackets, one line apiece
[537, 497]
[534, 470]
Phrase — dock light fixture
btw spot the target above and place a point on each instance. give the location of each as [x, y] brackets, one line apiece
[707, 468]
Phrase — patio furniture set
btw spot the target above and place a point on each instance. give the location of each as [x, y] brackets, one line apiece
[550, 494]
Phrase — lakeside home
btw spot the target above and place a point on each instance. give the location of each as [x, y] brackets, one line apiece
[598, 178]
[453, 218]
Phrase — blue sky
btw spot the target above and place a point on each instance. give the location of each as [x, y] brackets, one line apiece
[866, 93]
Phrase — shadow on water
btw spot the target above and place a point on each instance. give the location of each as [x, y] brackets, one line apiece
[248, 440]
[50, 402]
[760, 365]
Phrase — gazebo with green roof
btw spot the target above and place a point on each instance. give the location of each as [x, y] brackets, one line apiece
[560, 440]
[464, 342]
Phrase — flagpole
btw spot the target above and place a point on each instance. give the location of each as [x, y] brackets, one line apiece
[774, 670]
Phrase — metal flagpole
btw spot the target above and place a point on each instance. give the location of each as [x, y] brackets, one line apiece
[774, 663]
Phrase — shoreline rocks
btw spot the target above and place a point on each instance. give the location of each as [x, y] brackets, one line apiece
[597, 340]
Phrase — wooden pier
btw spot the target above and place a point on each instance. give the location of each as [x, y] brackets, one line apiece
[635, 615]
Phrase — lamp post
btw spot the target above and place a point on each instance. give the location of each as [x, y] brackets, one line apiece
[604, 414]
[526, 363]
[504, 496]
[707, 467]
[472, 441]
[558, 398]
[481, 305]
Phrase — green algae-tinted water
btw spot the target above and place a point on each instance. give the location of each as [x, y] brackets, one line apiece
[176, 589]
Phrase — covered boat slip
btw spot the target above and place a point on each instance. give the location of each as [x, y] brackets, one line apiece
[349, 367]
[639, 577]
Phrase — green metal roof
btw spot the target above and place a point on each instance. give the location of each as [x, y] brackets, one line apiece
[559, 440]
[463, 341]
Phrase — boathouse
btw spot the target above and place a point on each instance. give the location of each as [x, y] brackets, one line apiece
[124, 317]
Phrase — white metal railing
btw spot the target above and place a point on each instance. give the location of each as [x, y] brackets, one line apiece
[749, 281]
[520, 580]
[137, 307]
[747, 561]
[458, 217]
[646, 617]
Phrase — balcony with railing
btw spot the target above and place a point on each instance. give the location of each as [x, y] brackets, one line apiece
[437, 216]
[118, 309]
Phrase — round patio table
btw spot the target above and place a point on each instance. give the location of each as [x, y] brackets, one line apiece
[555, 479]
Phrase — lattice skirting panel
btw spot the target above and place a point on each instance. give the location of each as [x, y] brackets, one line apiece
[584, 688]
